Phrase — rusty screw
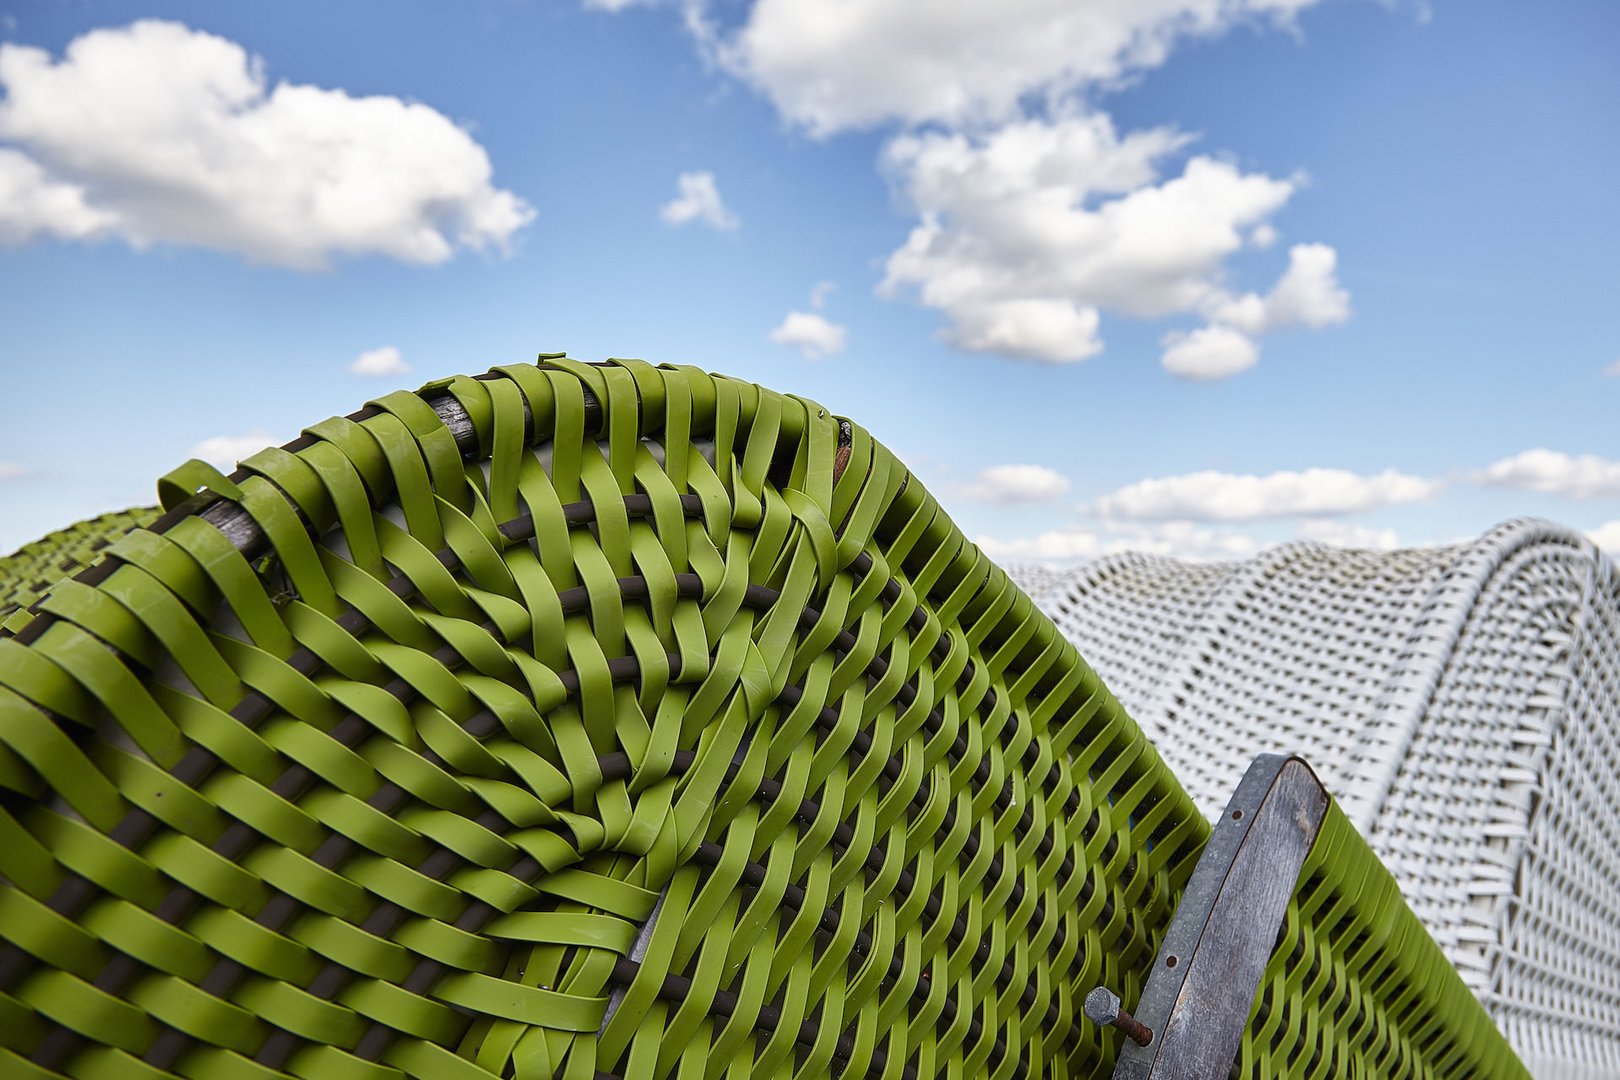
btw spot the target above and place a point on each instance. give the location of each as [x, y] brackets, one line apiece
[1102, 1007]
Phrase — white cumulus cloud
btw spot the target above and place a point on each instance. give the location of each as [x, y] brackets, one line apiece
[1308, 294]
[224, 451]
[1551, 472]
[1027, 232]
[1607, 537]
[1209, 353]
[1034, 218]
[697, 198]
[1008, 484]
[157, 133]
[1346, 534]
[1218, 496]
[1176, 539]
[34, 205]
[812, 333]
[1056, 545]
[831, 65]
[1190, 540]
[379, 363]
[1051, 330]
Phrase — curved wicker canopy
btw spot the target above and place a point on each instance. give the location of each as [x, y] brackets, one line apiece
[583, 721]
[1463, 702]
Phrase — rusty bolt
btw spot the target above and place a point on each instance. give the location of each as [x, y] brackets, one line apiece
[1102, 1007]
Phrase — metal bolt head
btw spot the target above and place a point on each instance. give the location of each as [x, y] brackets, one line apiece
[1102, 1006]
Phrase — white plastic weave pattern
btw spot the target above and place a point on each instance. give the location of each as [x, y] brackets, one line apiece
[1462, 703]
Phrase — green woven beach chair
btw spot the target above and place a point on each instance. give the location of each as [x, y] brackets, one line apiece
[584, 721]
[28, 572]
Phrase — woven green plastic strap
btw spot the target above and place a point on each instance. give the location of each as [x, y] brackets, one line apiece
[1357, 987]
[28, 572]
[660, 725]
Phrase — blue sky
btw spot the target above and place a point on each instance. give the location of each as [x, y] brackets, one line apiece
[1190, 276]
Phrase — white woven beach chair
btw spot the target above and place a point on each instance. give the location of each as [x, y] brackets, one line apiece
[1462, 702]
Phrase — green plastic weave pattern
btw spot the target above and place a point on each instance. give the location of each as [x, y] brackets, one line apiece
[28, 572]
[1358, 988]
[653, 725]
[696, 741]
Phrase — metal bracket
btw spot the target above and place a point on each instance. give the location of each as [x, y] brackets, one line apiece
[1201, 990]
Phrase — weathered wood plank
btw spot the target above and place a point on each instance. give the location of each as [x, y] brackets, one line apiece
[1202, 986]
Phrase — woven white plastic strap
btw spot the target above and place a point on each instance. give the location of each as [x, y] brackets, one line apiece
[1462, 703]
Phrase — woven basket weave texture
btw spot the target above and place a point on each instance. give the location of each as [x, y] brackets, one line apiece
[27, 573]
[666, 728]
[1463, 702]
